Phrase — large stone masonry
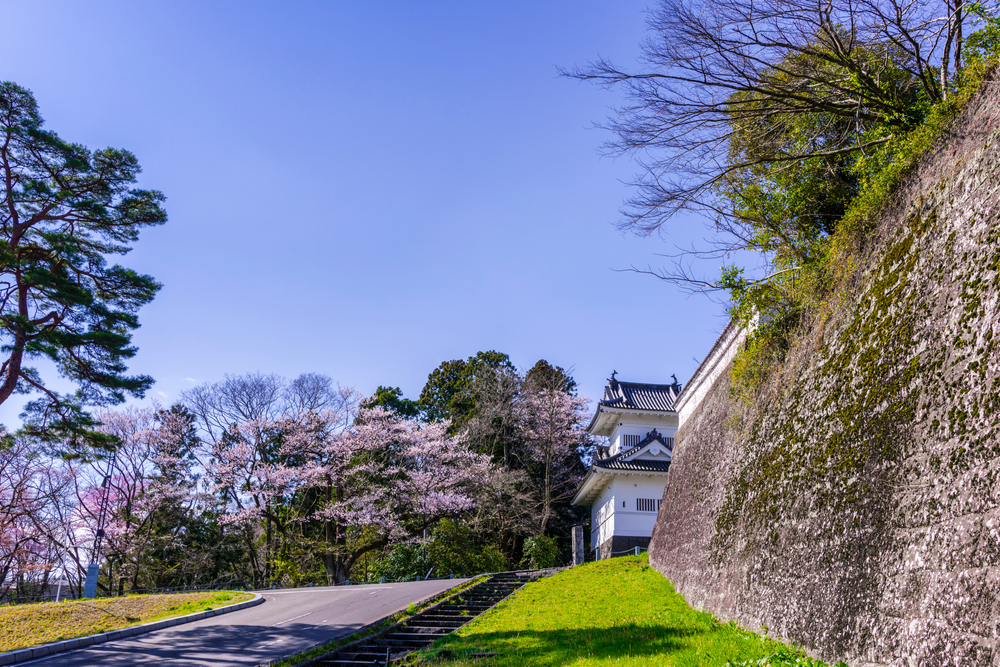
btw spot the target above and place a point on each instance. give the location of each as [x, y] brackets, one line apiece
[854, 507]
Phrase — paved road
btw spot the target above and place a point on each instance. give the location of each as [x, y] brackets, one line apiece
[289, 621]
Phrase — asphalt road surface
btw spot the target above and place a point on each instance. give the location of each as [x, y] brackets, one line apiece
[290, 620]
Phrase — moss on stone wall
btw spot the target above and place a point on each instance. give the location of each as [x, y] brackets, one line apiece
[854, 505]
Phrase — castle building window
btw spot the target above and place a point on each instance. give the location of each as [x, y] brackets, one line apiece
[647, 504]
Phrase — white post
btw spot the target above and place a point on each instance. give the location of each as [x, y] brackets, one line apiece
[578, 555]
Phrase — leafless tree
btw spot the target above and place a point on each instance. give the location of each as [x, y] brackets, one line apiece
[715, 70]
[236, 399]
[507, 508]
[493, 427]
[314, 392]
[256, 396]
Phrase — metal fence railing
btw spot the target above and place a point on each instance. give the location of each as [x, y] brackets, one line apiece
[598, 554]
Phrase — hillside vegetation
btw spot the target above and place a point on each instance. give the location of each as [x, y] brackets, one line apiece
[612, 612]
[23, 626]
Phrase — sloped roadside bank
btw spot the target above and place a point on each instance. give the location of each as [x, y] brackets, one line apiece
[612, 612]
[106, 620]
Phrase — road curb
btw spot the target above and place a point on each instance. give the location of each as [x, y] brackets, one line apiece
[36, 652]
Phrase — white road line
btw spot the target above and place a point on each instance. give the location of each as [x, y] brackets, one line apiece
[324, 590]
[290, 619]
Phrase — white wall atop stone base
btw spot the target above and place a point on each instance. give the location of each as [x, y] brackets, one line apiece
[725, 348]
[602, 517]
[616, 511]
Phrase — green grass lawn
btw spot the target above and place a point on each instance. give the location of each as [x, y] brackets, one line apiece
[613, 612]
[26, 625]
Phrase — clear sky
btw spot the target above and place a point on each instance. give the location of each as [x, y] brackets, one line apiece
[367, 189]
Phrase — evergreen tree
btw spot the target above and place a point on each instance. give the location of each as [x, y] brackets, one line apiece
[65, 209]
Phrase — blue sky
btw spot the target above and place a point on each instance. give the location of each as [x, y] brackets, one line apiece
[367, 189]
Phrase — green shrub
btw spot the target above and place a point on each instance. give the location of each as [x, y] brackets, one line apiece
[541, 552]
[452, 549]
[879, 173]
[455, 551]
[404, 561]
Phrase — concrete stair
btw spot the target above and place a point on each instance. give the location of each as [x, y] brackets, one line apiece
[423, 628]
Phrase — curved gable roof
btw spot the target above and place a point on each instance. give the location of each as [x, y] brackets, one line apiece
[640, 396]
[625, 461]
[626, 396]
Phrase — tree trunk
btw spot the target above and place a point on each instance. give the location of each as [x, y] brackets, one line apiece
[958, 36]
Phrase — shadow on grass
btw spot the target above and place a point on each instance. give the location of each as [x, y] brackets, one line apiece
[558, 647]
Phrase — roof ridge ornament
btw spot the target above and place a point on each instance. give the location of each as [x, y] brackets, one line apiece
[666, 441]
[612, 382]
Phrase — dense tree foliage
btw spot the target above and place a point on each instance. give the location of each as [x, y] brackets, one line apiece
[392, 400]
[64, 210]
[259, 479]
[449, 392]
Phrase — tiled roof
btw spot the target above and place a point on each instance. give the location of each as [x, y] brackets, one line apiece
[639, 396]
[603, 469]
[618, 461]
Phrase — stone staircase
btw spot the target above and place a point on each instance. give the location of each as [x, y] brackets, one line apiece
[423, 628]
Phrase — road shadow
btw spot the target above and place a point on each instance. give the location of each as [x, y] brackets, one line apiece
[190, 646]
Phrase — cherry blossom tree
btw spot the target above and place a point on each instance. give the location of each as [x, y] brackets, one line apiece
[19, 501]
[147, 482]
[382, 479]
[36, 517]
[400, 477]
[552, 431]
[532, 426]
[266, 470]
[244, 480]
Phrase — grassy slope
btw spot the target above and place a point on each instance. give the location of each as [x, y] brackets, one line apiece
[613, 612]
[322, 649]
[27, 625]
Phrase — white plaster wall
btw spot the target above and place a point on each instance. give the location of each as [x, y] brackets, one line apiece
[625, 490]
[602, 518]
[715, 363]
[641, 425]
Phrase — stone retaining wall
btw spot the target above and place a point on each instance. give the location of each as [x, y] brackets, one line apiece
[855, 508]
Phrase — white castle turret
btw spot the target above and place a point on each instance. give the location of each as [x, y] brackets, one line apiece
[625, 482]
